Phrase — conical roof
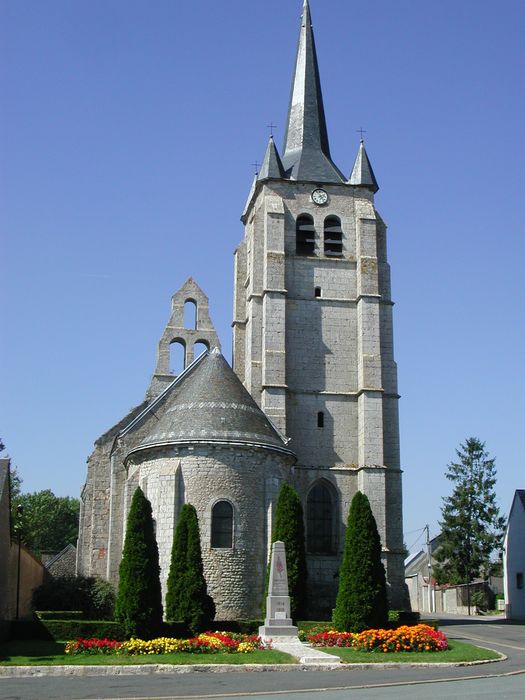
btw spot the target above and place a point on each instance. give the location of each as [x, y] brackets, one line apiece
[272, 166]
[362, 173]
[209, 404]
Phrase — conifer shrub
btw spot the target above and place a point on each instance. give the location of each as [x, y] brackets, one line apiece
[362, 601]
[289, 528]
[187, 598]
[139, 603]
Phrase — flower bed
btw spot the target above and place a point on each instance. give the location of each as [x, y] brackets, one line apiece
[404, 638]
[206, 643]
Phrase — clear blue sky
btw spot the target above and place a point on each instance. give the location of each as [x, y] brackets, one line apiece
[128, 133]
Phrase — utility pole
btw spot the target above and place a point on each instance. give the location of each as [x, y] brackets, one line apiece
[429, 563]
[19, 511]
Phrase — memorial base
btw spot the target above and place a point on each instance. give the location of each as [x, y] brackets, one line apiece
[277, 629]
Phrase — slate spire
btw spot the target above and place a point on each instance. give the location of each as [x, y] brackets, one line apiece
[362, 173]
[306, 148]
[272, 166]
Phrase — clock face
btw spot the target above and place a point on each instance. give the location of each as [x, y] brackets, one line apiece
[319, 197]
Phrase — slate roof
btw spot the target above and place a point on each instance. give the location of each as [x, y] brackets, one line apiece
[362, 173]
[209, 404]
[272, 166]
[306, 148]
[520, 493]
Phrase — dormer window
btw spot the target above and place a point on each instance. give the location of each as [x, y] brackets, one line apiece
[305, 235]
[333, 237]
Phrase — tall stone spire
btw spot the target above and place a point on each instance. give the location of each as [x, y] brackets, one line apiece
[306, 148]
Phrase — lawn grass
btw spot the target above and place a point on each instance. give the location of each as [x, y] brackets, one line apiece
[48, 653]
[44, 653]
[456, 653]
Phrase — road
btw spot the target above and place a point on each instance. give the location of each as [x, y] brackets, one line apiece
[504, 680]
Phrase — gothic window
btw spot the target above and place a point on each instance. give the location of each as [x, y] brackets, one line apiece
[304, 235]
[177, 356]
[222, 525]
[320, 419]
[333, 237]
[320, 520]
[199, 347]
[190, 314]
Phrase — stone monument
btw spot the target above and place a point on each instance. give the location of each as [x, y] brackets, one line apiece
[278, 622]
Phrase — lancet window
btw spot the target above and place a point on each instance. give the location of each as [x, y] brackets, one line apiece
[320, 519]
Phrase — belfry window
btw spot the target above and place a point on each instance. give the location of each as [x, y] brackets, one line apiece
[333, 237]
[305, 235]
[222, 525]
[320, 520]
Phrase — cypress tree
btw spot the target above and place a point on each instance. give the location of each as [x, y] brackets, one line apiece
[187, 599]
[362, 601]
[288, 527]
[139, 599]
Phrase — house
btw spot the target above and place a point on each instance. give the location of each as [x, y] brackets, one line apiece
[514, 559]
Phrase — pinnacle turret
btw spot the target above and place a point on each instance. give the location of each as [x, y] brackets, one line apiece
[272, 166]
[306, 147]
[362, 173]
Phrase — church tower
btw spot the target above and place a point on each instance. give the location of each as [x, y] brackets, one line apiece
[312, 330]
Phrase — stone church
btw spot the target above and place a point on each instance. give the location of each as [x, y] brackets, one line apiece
[311, 398]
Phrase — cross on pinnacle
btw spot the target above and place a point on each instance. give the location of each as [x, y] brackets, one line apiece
[361, 131]
[256, 165]
[271, 126]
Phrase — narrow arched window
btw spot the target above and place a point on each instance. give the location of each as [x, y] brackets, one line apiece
[177, 356]
[304, 235]
[317, 291]
[320, 419]
[333, 237]
[222, 525]
[320, 520]
[190, 314]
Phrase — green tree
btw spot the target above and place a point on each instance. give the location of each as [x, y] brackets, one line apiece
[139, 602]
[362, 601]
[15, 485]
[187, 598]
[471, 525]
[46, 522]
[288, 527]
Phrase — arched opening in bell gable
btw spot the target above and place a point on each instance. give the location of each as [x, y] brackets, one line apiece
[190, 314]
[199, 347]
[177, 356]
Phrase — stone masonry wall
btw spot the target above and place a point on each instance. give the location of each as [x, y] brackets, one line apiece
[248, 479]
